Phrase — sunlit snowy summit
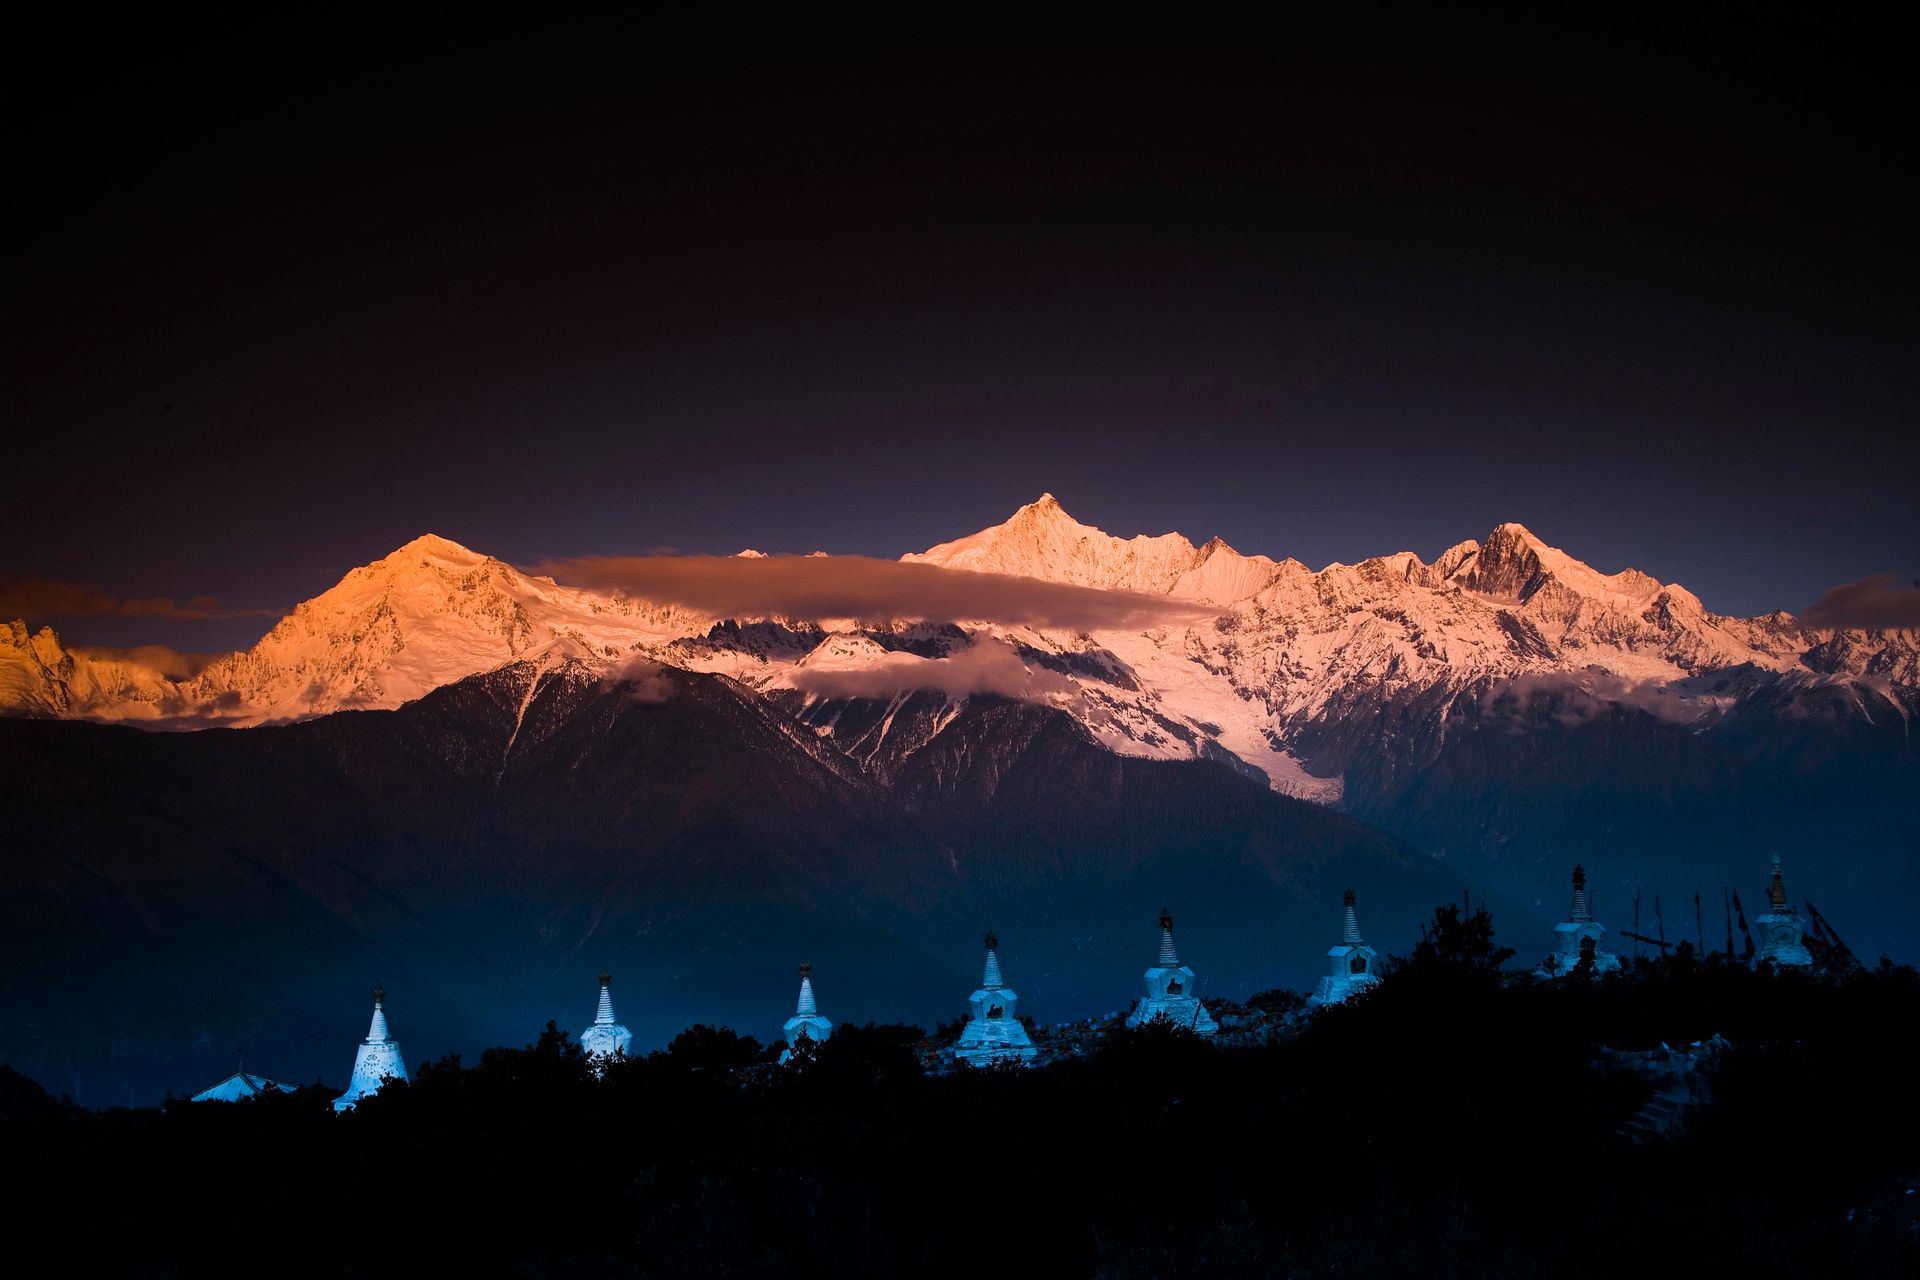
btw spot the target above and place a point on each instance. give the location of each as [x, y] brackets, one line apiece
[1284, 673]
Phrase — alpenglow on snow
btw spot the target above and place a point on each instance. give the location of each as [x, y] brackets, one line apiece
[1272, 653]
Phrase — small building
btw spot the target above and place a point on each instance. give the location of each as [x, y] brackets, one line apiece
[806, 1026]
[377, 1061]
[993, 1033]
[1170, 990]
[1578, 935]
[1782, 931]
[1352, 964]
[606, 1038]
[241, 1085]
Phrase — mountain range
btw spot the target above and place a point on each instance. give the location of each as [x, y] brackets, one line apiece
[457, 771]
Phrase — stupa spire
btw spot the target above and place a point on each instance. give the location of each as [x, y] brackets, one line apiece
[806, 1005]
[603, 1017]
[990, 979]
[1169, 958]
[1777, 887]
[377, 1029]
[1581, 911]
[1350, 936]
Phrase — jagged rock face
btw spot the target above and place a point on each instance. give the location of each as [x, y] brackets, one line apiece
[40, 677]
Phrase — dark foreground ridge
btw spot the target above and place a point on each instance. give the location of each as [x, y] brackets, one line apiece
[1454, 1121]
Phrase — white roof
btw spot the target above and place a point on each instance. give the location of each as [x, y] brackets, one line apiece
[240, 1085]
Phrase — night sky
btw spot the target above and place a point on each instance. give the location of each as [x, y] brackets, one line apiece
[280, 299]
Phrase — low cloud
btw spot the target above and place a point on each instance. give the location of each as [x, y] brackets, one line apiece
[986, 666]
[1871, 604]
[867, 589]
[1573, 699]
[37, 598]
[171, 663]
[644, 681]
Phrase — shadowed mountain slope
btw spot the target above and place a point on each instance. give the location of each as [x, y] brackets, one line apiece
[171, 902]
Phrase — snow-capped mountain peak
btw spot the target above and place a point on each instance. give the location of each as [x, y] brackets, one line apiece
[428, 613]
[1040, 540]
[1290, 671]
[1513, 564]
[432, 546]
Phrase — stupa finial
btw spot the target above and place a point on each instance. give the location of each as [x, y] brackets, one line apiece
[1581, 911]
[377, 1029]
[1350, 933]
[805, 1006]
[1777, 887]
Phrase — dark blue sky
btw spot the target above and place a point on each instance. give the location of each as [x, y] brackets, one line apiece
[285, 302]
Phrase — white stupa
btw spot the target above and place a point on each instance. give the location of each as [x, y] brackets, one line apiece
[806, 1025]
[1351, 964]
[1782, 932]
[993, 1033]
[378, 1060]
[606, 1038]
[1577, 934]
[1170, 990]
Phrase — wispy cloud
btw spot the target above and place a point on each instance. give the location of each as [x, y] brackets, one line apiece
[866, 589]
[171, 663]
[986, 666]
[1873, 604]
[643, 680]
[1573, 698]
[38, 598]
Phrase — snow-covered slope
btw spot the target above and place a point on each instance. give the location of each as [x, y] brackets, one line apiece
[1288, 676]
[39, 676]
[430, 613]
[1043, 541]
